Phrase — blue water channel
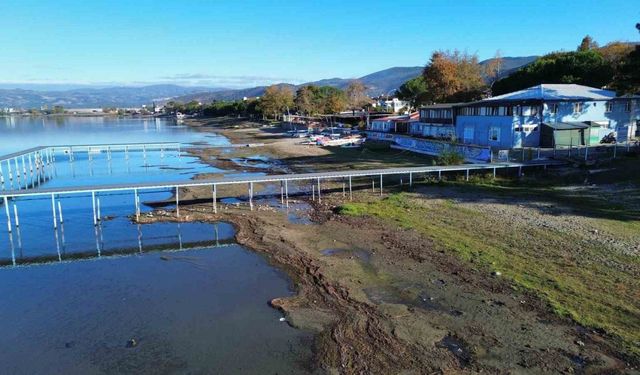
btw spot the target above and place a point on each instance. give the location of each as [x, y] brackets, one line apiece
[74, 296]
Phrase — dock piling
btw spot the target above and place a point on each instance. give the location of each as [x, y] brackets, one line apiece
[177, 202]
[15, 215]
[99, 217]
[53, 210]
[286, 192]
[93, 204]
[6, 208]
[60, 212]
[215, 198]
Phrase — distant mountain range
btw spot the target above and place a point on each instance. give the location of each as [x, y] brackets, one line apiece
[378, 83]
[94, 97]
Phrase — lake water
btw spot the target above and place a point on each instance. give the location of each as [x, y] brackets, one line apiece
[194, 301]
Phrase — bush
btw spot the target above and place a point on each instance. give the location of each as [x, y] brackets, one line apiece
[450, 157]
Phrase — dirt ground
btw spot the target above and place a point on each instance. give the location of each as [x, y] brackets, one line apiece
[384, 297]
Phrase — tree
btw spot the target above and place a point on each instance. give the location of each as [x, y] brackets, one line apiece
[414, 91]
[454, 76]
[493, 69]
[313, 100]
[356, 95]
[276, 100]
[335, 102]
[627, 78]
[305, 100]
[587, 68]
[58, 109]
[587, 44]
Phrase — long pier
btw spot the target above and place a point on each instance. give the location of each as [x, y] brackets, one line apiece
[28, 169]
[283, 179]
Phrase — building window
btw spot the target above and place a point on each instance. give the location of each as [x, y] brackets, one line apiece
[553, 108]
[476, 111]
[494, 133]
[609, 107]
[494, 111]
[509, 110]
[577, 107]
[533, 111]
[627, 106]
[468, 134]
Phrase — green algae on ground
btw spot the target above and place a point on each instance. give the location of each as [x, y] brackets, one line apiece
[578, 277]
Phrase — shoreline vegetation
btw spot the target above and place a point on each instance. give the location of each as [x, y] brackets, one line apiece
[537, 274]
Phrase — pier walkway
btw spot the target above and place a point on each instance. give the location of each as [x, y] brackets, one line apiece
[316, 179]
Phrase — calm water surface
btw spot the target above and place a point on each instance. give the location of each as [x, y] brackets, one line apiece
[194, 301]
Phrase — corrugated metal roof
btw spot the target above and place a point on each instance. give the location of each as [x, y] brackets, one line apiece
[566, 125]
[440, 106]
[556, 92]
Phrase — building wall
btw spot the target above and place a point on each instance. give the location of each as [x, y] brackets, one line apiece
[381, 126]
[524, 130]
[617, 119]
[475, 130]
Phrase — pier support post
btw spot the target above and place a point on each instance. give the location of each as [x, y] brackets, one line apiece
[319, 192]
[251, 195]
[215, 198]
[380, 185]
[15, 215]
[136, 203]
[60, 212]
[440, 175]
[410, 179]
[467, 176]
[344, 188]
[494, 173]
[6, 208]
[286, 192]
[53, 210]
[99, 216]
[520, 171]
[281, 192]
[313, 192]
[177, 202]
[350, 190]
[93, 204]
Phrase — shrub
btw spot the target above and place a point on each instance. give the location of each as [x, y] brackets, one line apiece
[450, 157]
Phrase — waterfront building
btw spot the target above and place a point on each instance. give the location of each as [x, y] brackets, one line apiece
[547, 115]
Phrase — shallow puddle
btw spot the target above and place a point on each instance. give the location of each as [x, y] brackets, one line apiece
[456, 347]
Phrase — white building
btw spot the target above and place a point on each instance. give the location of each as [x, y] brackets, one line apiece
[390, 105]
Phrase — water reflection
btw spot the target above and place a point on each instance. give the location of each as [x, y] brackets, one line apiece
[148, 238]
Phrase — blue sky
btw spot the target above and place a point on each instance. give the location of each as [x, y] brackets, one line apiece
[244, 43]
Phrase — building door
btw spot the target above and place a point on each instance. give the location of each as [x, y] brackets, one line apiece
[518, 135]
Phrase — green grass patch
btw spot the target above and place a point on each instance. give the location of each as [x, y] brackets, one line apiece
[577, 277]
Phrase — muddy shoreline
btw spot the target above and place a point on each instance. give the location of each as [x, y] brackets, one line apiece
[381, 299]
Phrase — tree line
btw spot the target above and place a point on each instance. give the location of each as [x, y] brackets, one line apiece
[309, 100]
[454, 76]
